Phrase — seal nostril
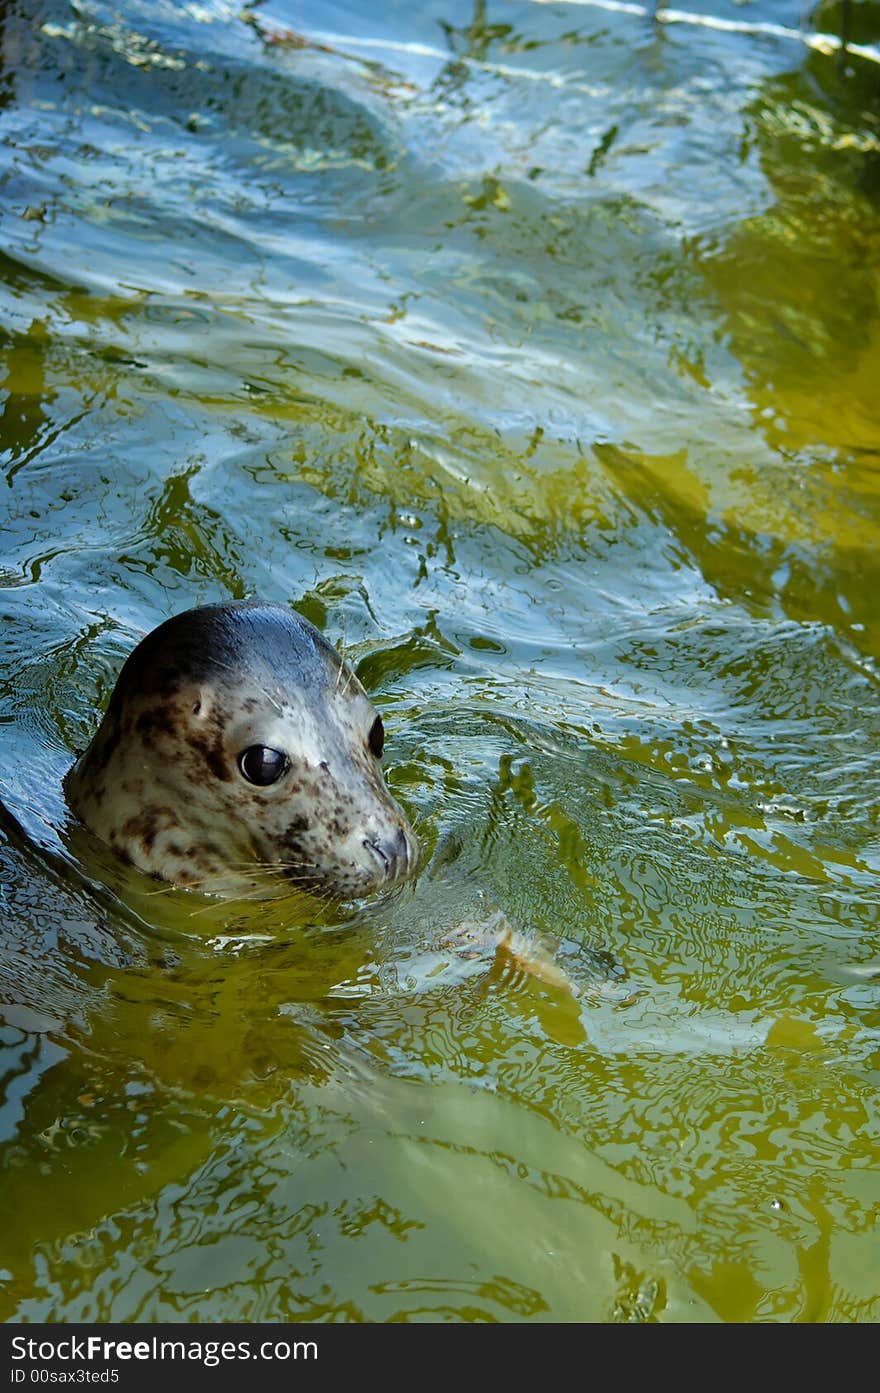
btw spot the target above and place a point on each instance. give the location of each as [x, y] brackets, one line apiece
[401, 849]
[379, 851]
[398, 853]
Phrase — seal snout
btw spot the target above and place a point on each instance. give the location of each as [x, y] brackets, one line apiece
[397, 853]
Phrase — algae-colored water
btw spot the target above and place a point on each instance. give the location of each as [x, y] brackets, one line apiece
[532, 351]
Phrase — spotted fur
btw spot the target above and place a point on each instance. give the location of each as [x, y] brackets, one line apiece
[161, 781]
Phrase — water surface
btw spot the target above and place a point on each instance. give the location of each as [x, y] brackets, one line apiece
[531, 351]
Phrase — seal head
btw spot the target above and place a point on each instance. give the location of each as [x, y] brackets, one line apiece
[239, 752]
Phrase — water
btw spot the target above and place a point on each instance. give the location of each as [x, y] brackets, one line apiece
[531, 351]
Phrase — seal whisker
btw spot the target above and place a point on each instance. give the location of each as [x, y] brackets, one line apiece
[212, 904]
[268, 868]
[179, 885]
[191, 883]
[272, 700]
[342, 662]
[344, 670]
[286, 866]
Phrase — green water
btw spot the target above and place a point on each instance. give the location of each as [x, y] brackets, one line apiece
[532, 351]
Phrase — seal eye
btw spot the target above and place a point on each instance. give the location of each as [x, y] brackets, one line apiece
[376, 737]
[262, 765]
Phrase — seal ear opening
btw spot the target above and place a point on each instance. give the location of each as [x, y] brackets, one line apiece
[202, 703]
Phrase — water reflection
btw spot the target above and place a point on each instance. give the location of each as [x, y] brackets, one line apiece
[463, 339]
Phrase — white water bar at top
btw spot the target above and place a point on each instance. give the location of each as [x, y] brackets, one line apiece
[822, 43]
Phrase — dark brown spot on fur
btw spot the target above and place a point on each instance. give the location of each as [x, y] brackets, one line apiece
[157, 720]
[108, 748]
[146, 825]
[212, 753]
[143, 828]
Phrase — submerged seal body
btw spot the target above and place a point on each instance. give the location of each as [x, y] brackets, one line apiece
[239, 752]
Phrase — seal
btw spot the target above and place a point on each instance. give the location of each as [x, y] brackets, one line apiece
[240, 755]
